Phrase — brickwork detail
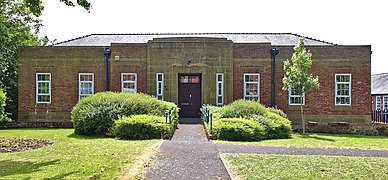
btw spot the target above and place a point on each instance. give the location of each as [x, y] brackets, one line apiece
[207, 56]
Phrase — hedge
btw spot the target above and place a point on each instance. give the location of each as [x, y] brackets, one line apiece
[95, 115]
[238, 129]
[141, 127]
[274, 121]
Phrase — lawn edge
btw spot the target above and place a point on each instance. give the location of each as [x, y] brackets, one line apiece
[228, 166]
[135, 170]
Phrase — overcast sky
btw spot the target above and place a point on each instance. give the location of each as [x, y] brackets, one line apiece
[342, 22]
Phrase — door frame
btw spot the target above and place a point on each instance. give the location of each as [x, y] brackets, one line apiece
[200, 84]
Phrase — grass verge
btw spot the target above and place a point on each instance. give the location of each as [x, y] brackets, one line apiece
[71, 156]
[248, 166]
[345, 141]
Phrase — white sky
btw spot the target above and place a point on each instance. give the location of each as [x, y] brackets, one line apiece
[357, 22]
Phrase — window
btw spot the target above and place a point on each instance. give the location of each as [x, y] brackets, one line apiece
[220, 88]
[43, 88]
[385, 101]
[342, 89]
[378, 103]
[252, 87]
[128, 82]
[85, 85]
[159, 85]
[295, 98]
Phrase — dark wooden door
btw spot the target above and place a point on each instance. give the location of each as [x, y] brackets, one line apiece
[189, 95]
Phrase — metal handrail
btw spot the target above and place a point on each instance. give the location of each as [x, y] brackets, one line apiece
[208, 115]
[170, 115]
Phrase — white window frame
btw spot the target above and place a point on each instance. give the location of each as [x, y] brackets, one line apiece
[385, 103]
[123, 82]
[378, 103]
[295, 96]
[161, 83]
[258, 86]
[86, 82]
[37, 88]
[218, 82]
[350, 89]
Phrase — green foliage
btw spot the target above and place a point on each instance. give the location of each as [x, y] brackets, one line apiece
[141, 127]
[18, 27]
[238, 129]
[277, 127]
[242, 108]
[296, 74]
[95, 115]
[36, 7]
[297, 70]
[3, 117]
[273, 121]
[277, 111]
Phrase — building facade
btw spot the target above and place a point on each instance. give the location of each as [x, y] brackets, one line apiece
[379, 92]
[191, 70]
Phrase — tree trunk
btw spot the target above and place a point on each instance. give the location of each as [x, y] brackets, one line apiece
[302, 114]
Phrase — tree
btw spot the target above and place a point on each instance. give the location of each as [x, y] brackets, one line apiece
[297, 75]
[18, 27]
[3, 117]
[36, 7]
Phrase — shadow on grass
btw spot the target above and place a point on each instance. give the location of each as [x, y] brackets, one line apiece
[61, 176]
[9, 167]
[314, 136]
[77, 136]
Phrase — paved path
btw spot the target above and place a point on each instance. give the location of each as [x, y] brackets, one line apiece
[228, 148]
[189, 155]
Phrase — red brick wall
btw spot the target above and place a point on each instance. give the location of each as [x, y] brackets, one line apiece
[328, 61]
[252, 58]
[64, 64]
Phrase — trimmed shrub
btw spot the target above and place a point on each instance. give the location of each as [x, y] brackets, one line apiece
[238, 129]
[277, 111]
[3, 117]
[142, 127]
[95, 115]
[276, 126]
[242, 108]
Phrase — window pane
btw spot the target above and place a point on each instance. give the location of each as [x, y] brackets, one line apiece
[86, 77]
[195, 79]
[251, 89]
[343, 78]
[252, 98]
[43, 88]
[160, 77]
[251, 78]
[43, 98]
[219, 77]
[43, 77]
[219, 99]
[343, 100]
[184, 79]
[129, 77]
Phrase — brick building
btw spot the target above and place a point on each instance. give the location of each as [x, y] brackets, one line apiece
[193, 69]
[379, 92]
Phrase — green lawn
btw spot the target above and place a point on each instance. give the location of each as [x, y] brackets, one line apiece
[71, 156]
[348, 141]
[306, 167]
